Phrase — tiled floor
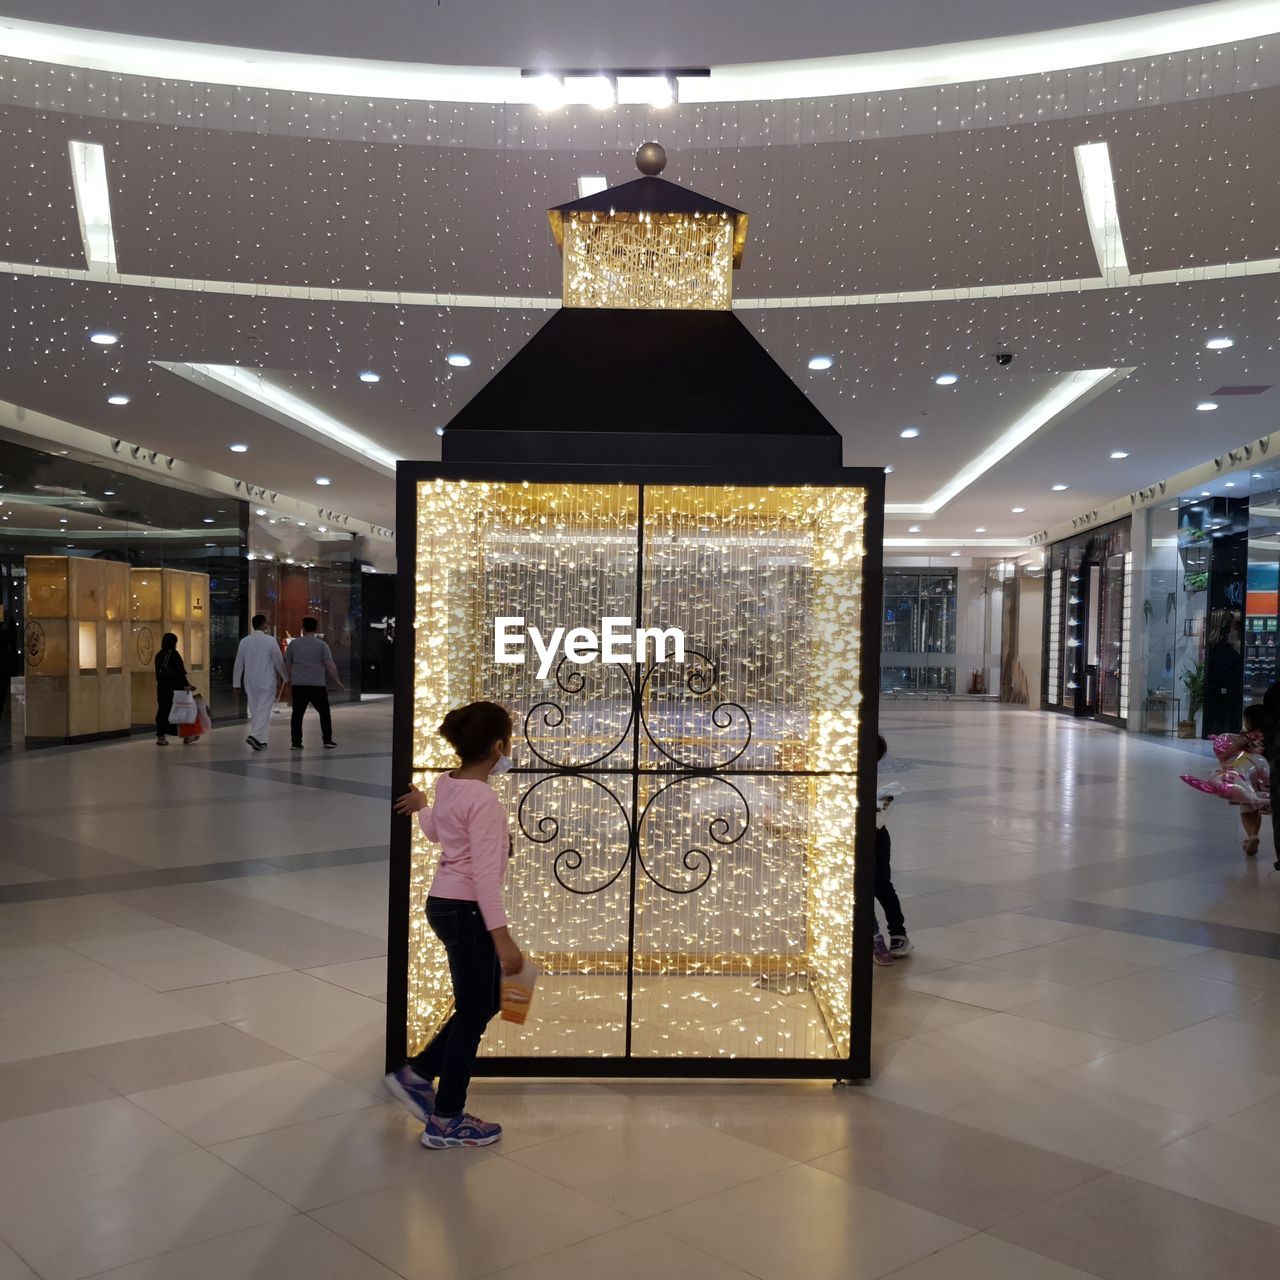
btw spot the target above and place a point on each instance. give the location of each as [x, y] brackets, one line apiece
[1077, 1074]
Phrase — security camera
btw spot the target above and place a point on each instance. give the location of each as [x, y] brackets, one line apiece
[1002, 358]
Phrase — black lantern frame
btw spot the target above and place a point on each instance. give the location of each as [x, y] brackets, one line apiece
[761, 463]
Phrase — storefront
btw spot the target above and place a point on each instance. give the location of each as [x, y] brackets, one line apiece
[1087, 625]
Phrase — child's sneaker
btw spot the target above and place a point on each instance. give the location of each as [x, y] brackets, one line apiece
[899, 944]
[413, 1092]
[459, 1131]
[881, 952]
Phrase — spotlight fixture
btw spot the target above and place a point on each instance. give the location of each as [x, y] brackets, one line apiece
[979, 530]
[1206, 494]
[108, 493]
[239, 448]
[104, 338]
[439, 431]
[909, 433]
[819, 363]
[888, 471]
[1207, 406]
[118, 398]
[208, 519]
[1220, 343]
[955, 555]
[947, 379]
[323, 480]
[458, 360]
[1118, 454]
[915, 528]
[1231, 484]
[368, 375]
[1061, 488]
[324, 528]
[1017, 511]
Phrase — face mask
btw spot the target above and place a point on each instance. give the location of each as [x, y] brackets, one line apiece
[503, 765]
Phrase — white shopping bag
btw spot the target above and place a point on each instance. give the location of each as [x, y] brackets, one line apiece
[184, 709]
[202, 715]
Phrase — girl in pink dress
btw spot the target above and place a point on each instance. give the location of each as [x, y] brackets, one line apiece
[1243, 776]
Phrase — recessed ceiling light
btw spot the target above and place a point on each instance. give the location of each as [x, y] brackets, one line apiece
[239, 448]
[888, 471]
[323, 480]
[62, 520]
[1017, 511]
[210, 544]
[980, 530]
[439, 431]
[208, 519]
[947, 379]
[909, 433]
[819, 363]
[915, 528]
[458, 360]
[955, 554]
[1206, 494]
[1117, 454]
[1231, 484]
[260, 511]
[1257, 475]
[1220, 343]
[104, 339]
[302, 524]
[324, 528]
[368, 375]
[118, 398]
[1061, 488]
[1207, 406]
[108, 493]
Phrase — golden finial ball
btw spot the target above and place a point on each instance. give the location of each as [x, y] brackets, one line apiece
[651, 159]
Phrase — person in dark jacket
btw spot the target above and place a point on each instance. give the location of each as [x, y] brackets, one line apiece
[171, 676]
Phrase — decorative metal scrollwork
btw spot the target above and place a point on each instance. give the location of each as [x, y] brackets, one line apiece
[690, 869]
[546, 829]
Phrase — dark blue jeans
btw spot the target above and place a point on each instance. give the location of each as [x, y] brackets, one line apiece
[477, 996]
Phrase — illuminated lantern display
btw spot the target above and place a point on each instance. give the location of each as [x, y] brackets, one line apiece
[641, 539]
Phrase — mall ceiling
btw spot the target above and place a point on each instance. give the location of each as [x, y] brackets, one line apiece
[967, 194]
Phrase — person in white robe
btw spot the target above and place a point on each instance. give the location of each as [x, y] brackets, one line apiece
[259, 671]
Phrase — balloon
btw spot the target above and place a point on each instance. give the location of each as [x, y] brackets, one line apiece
[1244, 777]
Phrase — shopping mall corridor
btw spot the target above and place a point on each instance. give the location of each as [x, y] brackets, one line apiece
[1076, 1074]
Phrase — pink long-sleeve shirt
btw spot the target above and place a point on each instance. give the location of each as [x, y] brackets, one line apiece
[470, 824]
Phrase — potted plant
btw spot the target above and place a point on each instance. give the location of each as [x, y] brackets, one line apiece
[1193, 682]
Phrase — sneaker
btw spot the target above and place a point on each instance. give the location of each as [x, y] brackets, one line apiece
[881, 952]
[413, 1093]
[899, 944]
[255, 744]
[459, 1131]
[295, 746]
[330, 745]
[1250, 846]
[162, 742]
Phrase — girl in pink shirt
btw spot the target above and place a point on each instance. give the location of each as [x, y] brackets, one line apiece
[464, 910]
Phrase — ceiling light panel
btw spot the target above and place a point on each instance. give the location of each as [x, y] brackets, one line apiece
[93, 204]
[249, 389]
[590, 184]
[1093, 166]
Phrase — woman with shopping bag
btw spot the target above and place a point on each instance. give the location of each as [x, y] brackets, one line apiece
[174, 702]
